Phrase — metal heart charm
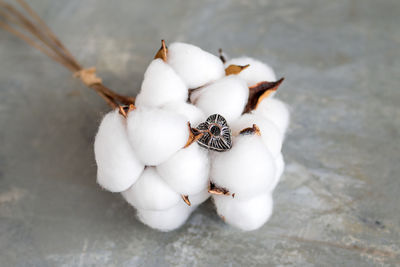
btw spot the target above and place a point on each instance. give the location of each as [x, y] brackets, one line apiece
[216, 134]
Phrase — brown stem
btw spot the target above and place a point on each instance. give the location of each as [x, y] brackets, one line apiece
[49, 32]
[43, 39]
[221, 55]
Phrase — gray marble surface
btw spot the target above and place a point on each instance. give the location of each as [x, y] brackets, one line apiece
[338, 203]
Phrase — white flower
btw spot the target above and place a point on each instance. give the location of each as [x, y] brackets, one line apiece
[151, 156]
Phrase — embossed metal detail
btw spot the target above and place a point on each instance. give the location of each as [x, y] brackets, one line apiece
[216, 133]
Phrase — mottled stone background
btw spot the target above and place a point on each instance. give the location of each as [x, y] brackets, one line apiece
[338, 203]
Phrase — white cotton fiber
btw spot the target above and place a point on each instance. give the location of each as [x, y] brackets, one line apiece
[270, 134]
[187, 170]
[255, 73]
[150, 192]
[117, 165]
[246, 170]
[246, 215]
[161, 85]
[166, 220]
[280, 166]
[156, 134]
[199, 198]
[227, 97]
[192, 113]
[276, 111]
[195, 66]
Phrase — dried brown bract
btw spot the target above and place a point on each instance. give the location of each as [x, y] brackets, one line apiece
[260, 91]
[216, 190]
[162, 52]
[251, 130]
[186, 199]
[235, 69]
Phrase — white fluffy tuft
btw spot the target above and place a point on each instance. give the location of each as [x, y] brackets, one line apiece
[270, 134]
[117, 165]
[227, 97]
[247, 169]
[150, 192]
[195, 66]
[276, 111]
[280, 167]
[192, 113]
[156, 134]
[255, 73]
[161, 85]
[187, 170]
[166, 220]
[246, 215]
[199, 198]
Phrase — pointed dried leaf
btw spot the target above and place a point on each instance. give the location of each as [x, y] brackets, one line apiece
[251, 130]
[235, 69]
[124, 110]
[216, 190]
[194, 135]
[186, 199]
[260, 91]
[162, 52]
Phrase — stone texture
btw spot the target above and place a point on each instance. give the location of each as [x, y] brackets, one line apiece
[338, 203]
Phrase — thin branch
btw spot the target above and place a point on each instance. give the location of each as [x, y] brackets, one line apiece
[49, 32]
[37, 34]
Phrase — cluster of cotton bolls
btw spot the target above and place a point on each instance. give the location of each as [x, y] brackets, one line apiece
[201, 126]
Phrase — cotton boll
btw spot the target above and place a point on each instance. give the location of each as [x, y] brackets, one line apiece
[150, 192]
[255, 73]
[227, 97]
[192, 113]
[246, 170]
[195, 66]
[280, 166]
[187, 170]
[161, 85]
[199, 198]
[156, 134]
[246, 215]
[276, 111]
[117, 165]
[166, 220]
[270, 134]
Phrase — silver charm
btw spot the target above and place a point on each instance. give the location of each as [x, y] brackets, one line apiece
[216, 134]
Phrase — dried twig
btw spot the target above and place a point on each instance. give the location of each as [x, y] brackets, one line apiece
[33, 30]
